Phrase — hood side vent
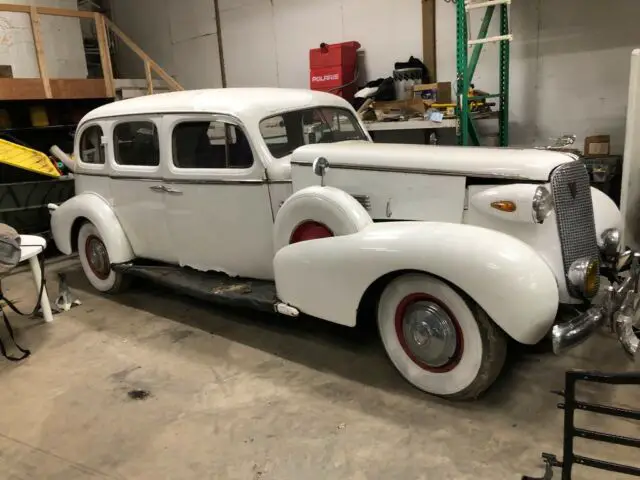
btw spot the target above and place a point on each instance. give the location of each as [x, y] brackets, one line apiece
[363, 200]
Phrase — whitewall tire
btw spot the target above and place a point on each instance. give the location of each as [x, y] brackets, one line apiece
[439, 341]
[95, 262]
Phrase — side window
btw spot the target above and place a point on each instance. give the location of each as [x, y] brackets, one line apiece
[206, 144]
[338, 120]
[136, 143]
[327, 125]
[274, 133]
[91, 149]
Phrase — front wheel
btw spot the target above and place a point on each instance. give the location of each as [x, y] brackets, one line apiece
[95, 262]
[439, 341]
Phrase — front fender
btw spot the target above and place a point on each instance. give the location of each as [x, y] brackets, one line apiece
[507, 278]
[96, 210]
[605, 212]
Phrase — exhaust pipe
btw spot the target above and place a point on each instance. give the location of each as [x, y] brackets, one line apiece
[63, 157]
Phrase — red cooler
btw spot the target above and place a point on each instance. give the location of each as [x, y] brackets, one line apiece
[334, 68]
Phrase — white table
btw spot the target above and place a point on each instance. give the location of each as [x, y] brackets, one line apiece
[30, 247]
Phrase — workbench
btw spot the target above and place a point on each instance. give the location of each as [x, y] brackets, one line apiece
[427, 126]
[411, 125]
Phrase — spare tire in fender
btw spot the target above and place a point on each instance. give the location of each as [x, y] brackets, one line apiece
[331, 207]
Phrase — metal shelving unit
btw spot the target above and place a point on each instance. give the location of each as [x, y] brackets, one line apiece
[466, 66]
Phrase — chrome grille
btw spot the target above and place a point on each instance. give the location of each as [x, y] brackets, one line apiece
[574, 211]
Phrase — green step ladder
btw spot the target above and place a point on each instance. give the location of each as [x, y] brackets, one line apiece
[467, 130]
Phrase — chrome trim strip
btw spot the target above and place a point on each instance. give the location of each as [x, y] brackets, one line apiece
[192, 181]
[128, 177]
[342, 166]
[187, 181]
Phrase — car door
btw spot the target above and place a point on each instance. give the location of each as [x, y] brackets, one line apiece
[137, 188]
[217, 197]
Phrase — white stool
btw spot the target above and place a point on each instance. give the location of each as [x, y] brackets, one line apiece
[31, 246]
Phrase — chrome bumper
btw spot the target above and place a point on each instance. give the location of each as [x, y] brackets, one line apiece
[619, 312]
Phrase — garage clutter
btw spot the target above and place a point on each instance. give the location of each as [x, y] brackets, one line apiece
[409, 93]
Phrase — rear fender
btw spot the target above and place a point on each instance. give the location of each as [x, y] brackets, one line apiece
[328, 277]
[96, 210]
[332, 207]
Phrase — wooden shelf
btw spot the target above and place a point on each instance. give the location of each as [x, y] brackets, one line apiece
[61, 89]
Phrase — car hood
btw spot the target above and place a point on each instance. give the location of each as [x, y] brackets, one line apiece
[505, 163]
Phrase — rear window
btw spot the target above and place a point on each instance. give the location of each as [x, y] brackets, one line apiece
[91, 148]
[136, 143]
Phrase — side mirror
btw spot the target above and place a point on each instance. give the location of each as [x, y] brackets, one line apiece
[320, 167]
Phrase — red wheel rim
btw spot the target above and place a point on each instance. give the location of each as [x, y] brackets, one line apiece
[310, 230]
[401, 311]
[97, 257]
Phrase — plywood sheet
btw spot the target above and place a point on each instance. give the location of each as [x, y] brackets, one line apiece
[78, 88]
[250, 60]
[21, 88]
[198, 63]
[299, 26]
[388, 32]
[630, 195]
[190, 19]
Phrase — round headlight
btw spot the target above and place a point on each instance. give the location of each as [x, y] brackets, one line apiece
[583, 277]
[610, 242]
[542, 204]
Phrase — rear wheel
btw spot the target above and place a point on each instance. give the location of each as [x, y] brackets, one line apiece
[95, 262]
[439, 341]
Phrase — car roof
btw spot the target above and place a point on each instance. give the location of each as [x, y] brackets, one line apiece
[256, 103]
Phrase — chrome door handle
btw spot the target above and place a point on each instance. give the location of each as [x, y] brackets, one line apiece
[157, 188]
[169, 189]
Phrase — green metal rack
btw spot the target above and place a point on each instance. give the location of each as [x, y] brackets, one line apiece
[467, 131]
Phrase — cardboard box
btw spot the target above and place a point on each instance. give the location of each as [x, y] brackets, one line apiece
[398, 108]
[436, 92]
[597, 145]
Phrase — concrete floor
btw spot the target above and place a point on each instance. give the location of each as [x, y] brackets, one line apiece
[237, 395]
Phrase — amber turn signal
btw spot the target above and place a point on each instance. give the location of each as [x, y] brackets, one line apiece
[504, 206]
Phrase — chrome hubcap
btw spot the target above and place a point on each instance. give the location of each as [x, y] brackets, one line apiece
[429, 333]
[98, 257]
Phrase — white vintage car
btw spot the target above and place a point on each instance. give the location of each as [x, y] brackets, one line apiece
[283, 200]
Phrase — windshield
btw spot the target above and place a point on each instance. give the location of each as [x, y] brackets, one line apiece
[285, 132]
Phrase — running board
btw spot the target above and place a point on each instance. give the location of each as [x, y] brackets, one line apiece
[211, 286]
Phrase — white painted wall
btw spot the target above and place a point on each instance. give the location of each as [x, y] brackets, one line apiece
[569, 66]
[267, 42]
[178, 34]
[569, 60]
[62, 40]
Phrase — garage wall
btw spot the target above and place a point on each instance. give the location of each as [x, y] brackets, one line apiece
[569, 66]
[62, 40]
[267, 42]
[178, 34]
